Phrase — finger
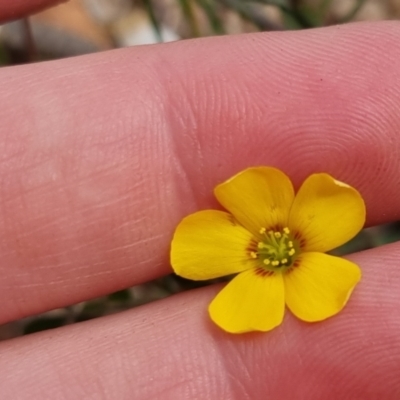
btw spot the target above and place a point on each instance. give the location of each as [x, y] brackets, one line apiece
[20, 8]
[170, 349]
[103, 155]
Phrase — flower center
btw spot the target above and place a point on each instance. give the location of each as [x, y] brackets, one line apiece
[276, 250]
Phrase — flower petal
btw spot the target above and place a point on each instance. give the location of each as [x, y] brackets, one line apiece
[326, 213]
[209, 244]
[257, 197]
[319, 286]
[250, 302]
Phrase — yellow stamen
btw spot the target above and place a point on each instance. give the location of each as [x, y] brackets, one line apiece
[276, 249]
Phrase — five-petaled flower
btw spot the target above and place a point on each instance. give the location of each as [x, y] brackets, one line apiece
[275, 241]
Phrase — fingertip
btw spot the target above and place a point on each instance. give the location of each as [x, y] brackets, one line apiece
[10, 10]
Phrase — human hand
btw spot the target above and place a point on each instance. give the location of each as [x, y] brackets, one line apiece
[103, 155]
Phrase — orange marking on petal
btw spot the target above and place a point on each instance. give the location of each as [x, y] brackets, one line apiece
[263, 272]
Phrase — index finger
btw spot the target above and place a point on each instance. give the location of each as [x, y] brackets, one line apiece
[103, 155]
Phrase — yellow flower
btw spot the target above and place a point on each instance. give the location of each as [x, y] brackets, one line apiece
[275, 242]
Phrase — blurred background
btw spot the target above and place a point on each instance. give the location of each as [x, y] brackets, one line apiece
[86, 26]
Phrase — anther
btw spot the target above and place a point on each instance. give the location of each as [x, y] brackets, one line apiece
[284, 260]
[266, 261]
[277, 235]
[260, 245]
[290, 244]
[275, 263]
[253, 254]
[262, 231]
[291, 252]
[286, 230]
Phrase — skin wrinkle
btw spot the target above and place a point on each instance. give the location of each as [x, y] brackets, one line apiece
[68, 217]
[79, 269]
[256, 364]
[163, 369]
[184, 114]
[185, 190]
[188, 376]
[242, 387]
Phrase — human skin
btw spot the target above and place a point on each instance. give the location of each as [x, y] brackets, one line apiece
[13, 9]
[103, 155]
